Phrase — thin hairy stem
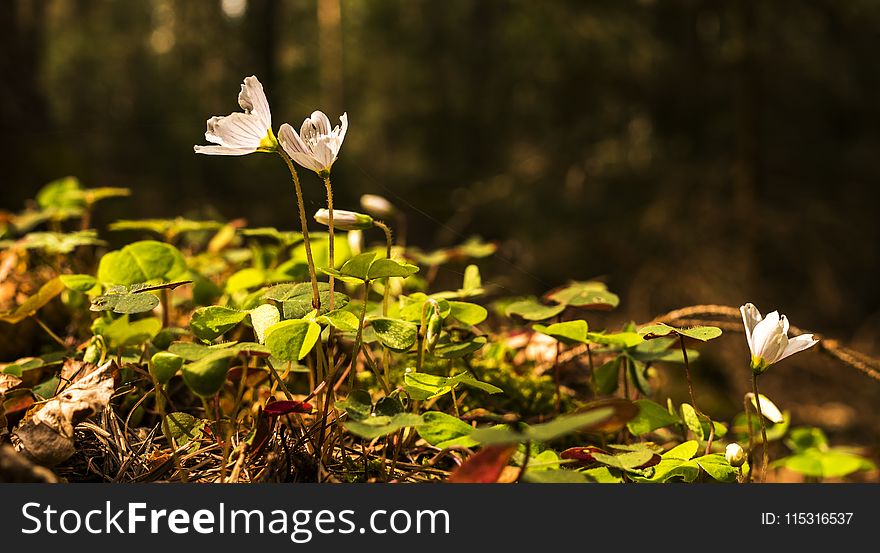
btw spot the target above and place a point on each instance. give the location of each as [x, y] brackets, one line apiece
[331, 243]
[764, 457]
[388, 243]
[316, 298]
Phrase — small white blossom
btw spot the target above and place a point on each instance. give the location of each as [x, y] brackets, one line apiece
[768, 338]
[735, 455]
[316, 145]
[240, 133]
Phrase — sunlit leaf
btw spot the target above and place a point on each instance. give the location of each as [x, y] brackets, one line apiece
[80, 283]
[207, 323]
[34, 303]
[701, 333]
[292, 340]
[206, 376]
[384, 268]
[533, 310]
[569, 332]
[651, 417]
[442, 430]
[560, 426]
[456, 350]
[382, 425]
[141, 262]
[395, 334]
[590, 295]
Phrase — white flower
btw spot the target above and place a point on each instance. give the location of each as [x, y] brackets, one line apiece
[735, 454]
[316, 146]
[344, 220]
[239, 133]
[768, 338]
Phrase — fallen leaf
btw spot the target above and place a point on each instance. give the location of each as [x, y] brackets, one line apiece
[484, 467]
[285, 407]
[8, 382]
[15, 467]
[46, 433]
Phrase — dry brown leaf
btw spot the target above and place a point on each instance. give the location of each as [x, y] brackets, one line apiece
[46, 433]
[15, 467]
[8, 382]
[74, 371]
[484, 467]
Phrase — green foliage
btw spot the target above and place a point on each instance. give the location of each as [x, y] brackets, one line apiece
[55, 243]
[140, 262]
[183, 428]
[445, 375]
[813, 457]
[442, 430]
[207, 323]
[164, 365]
[121, 332]
[651, 417]
[292, 340]
[588, 295]
[206, 376]
[532, 310]
[701, 333]
[546, 432]
[394, 334]
[569, 332]
[422, 386]
[30, 306]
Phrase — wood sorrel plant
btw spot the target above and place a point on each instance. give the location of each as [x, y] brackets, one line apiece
[245, 133]
[769, 343]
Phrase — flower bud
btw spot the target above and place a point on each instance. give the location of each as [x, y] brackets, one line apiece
[344, 220]
[377, 205]
[735, 455]
[433, 325]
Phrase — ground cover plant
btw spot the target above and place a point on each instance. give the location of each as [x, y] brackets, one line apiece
[217, 352]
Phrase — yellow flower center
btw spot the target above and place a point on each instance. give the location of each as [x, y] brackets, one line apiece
[759, 364]
[269, 143]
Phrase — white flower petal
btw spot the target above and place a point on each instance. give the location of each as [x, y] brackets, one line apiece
[768, 408]
[240, 133]
[253, 100]
[774, 348]
[321, 122]
[343, 130]
[290, 141]
[751, 317]
[798, 344]
[308, 162]
[764, 332]
[316, 146]
[222, 150]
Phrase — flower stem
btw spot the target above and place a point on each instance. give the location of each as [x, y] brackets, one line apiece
[316, 298]
[330, 244]
[357, 340]
[687, 371]
[747, 410]
[764, 457]
[388, 244]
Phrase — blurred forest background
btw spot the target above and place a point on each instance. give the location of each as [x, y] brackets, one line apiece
[686, 151]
